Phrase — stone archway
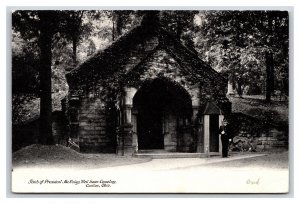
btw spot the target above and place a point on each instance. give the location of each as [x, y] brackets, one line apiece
[163, 113]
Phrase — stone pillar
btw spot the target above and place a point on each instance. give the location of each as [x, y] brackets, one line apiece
[195, 97]
[134, 129]
[221, 117]
[197, 122]
[126, 142]
[199, 134]
[195, 113]
[127, 113]
[196, 129]
[230, 88]
[129, 94]
[206, 134]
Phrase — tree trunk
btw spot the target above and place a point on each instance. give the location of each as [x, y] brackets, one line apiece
[45, 41]
[270, 76]
[119, 25]
[179, 29]
[113, 31]
[239, 89]
[269, 60]
[74, 54]
[230, 85]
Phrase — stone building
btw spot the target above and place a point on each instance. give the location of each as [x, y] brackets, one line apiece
[146, 91]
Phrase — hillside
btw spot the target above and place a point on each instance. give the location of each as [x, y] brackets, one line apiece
[276, 112]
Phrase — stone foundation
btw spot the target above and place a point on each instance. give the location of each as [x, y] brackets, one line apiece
[271, 140]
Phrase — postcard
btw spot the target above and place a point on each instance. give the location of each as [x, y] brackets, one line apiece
[150, 101]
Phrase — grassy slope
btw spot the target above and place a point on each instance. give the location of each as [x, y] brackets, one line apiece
[61, 156]
[276, 111]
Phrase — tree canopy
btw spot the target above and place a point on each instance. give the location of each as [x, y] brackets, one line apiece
[234, 43]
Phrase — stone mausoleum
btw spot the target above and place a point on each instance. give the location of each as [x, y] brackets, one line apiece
[146, 92]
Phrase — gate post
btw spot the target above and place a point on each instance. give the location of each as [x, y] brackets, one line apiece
[125, 140]
[206, 134]
[125, 131]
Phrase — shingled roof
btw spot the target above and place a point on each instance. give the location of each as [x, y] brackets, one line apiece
[116, 57]
[211, 108]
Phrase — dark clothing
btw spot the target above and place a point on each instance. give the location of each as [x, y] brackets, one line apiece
[225, 136]
[225, 143]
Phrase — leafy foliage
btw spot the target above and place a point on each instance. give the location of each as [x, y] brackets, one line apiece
[234, 42]
[42, 25]
[25, 65]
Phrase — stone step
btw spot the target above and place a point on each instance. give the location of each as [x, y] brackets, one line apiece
[164, 155]
[152, 151]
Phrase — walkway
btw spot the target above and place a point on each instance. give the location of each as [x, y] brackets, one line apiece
[192, 175]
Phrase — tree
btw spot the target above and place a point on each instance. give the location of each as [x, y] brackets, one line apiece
[178, 21]
[76, 29]
[276, 39]
[41, 25]
[45, 43]
[235, 43]
[120, 19]
[91, 48]
[25, 67]
[270, 75]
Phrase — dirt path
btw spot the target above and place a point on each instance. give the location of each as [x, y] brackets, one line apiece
[39, 156]
[156, 176]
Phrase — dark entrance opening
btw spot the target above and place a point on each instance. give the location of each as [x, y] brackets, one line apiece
[149, 128]
[214, 133]
[152, 101]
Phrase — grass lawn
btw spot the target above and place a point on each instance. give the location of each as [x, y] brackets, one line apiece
[276, 111]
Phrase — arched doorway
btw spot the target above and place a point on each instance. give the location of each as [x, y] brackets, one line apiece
[162, 106]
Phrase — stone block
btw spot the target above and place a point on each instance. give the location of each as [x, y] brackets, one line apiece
[126, 150]
[267, 146]
[99, 123]
[82, 132]
[83, 123]
[97, 148]
[260, 147]
[93, 117]
[94, 139]
[265, 142]
[88, 127]
[263, 138]
[100, 128]
[170, 148]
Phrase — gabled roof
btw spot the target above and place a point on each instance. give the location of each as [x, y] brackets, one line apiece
[117, 57]
[211, 108]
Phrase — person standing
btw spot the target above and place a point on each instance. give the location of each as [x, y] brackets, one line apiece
[226, 136]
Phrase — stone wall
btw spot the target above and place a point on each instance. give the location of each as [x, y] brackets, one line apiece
[170, 134]
[92, 126]
[250, 135]
[93, 114]
[273, 139]
[59, 127]
[28, 133]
